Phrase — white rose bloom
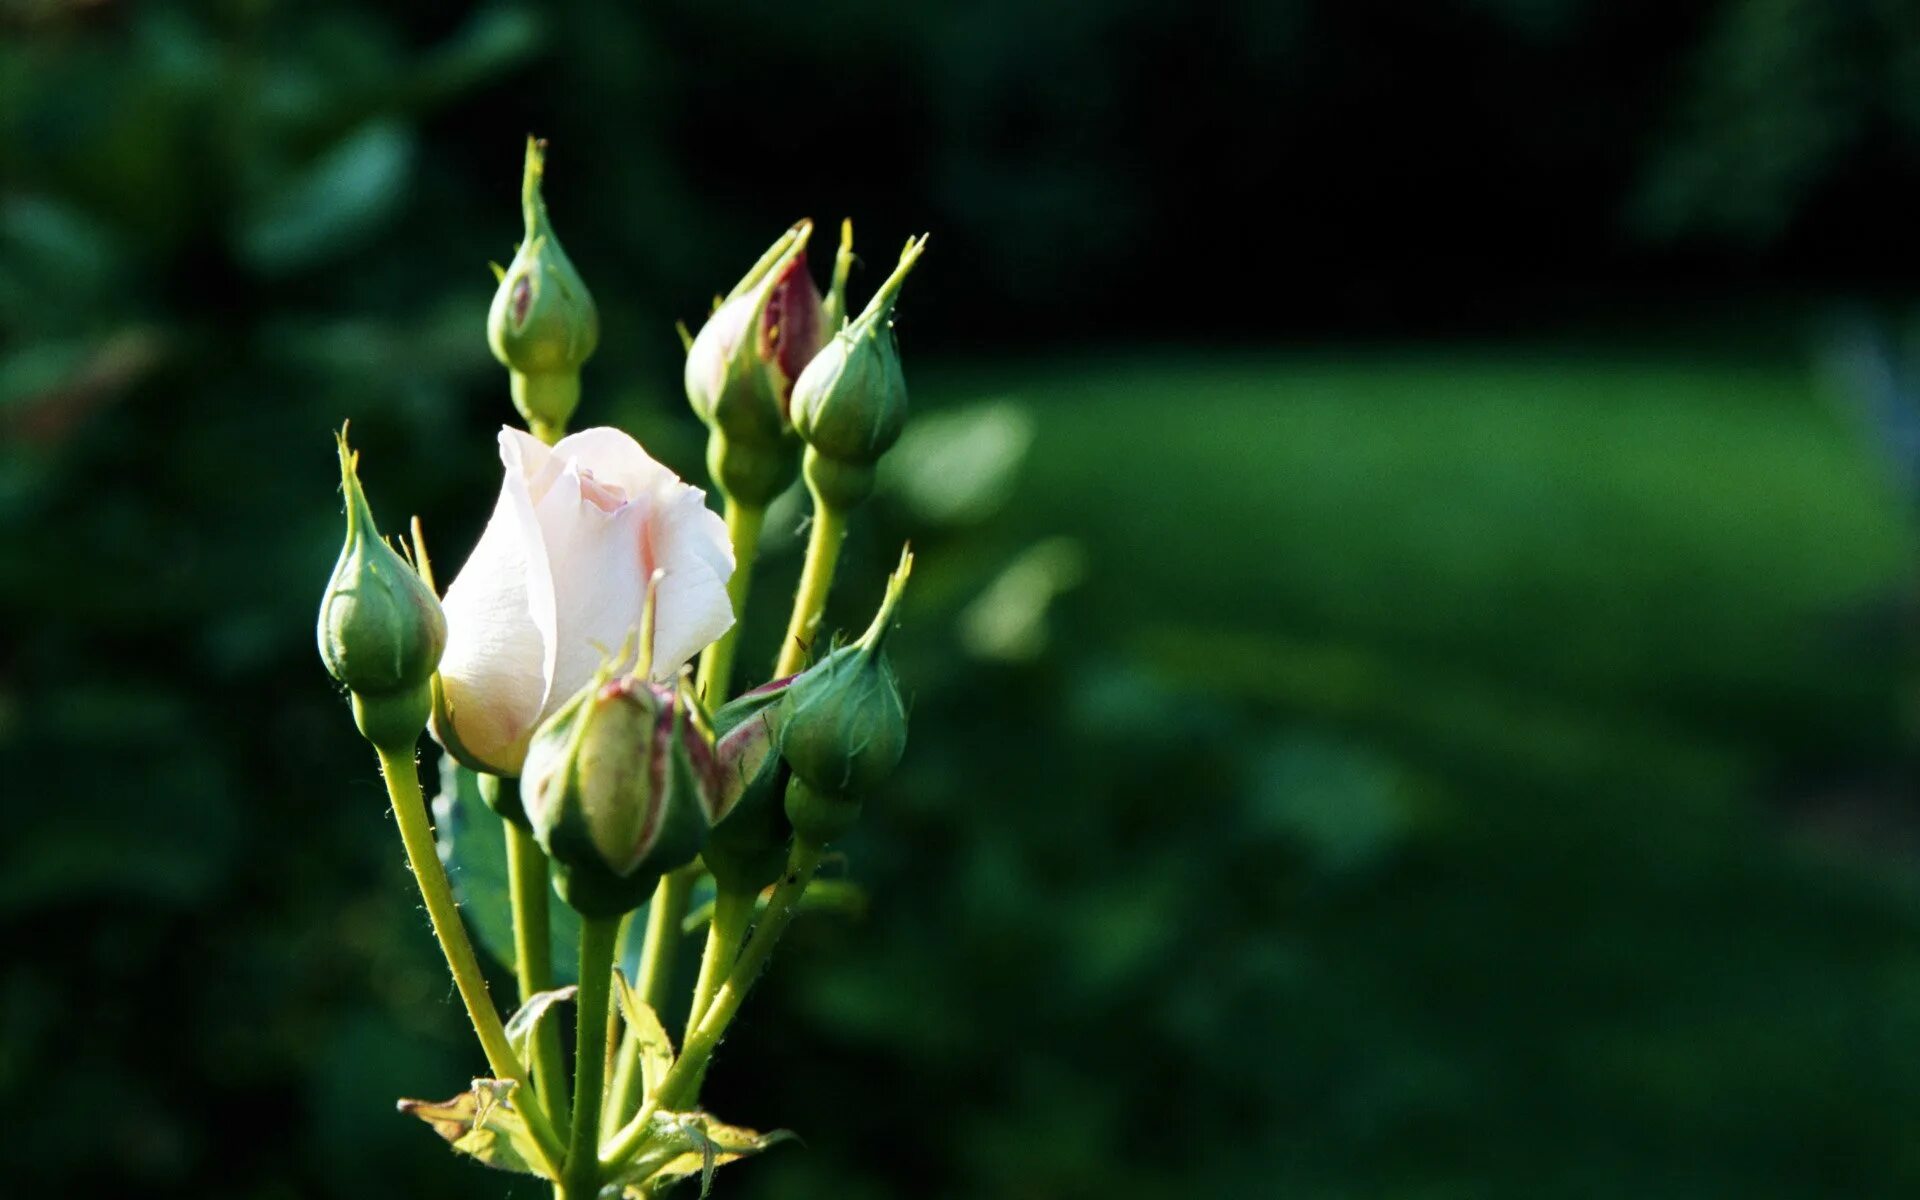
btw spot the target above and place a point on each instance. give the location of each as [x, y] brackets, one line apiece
[557, 583]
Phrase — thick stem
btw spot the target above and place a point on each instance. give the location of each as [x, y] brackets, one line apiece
[533, 960]
[416, 833]
[816, 580]
[716, 662]
[598, 937]
[676, 1089]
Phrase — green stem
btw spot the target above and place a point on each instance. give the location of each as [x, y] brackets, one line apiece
[688, 1069]
[416, 833]
[598, 937]
[816, 579]
[732, 913]
[545, 401]
[529, 894]
[663, 935]
[716, 662]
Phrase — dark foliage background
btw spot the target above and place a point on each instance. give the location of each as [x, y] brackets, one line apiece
[1412, 650]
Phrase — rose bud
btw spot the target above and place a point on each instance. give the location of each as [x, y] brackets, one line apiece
[617, 784]
[543, 325]
[842, 727]
[559, 575]
[850, 404]
[616, 789]
[748, 847]
[381, 631]
[742, 365]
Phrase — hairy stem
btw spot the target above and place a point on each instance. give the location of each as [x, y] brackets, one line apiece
[598, 937]
[732, 913]
[533, 960]
[816, 580]
[416, 833]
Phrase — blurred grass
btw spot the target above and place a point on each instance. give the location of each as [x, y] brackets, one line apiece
[1542, 538]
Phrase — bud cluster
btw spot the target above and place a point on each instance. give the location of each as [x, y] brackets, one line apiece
[627, 781]
[622, 779]
[770, 375]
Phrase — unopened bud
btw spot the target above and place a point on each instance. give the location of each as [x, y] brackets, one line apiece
[842, 727]
[543, 325]
[850, 404]
[380, 631]
[742, 365]
[616, 788]
[748, 847]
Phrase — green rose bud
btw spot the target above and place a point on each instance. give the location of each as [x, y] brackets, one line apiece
[748, 847]
[543, 326]
[380, 629]
[616, 786]
[842, 727]
[742, 365]
[850, 403]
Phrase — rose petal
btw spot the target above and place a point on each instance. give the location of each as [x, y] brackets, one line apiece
[500, 612]
[690, 544]
[616, 459]
[599, 581]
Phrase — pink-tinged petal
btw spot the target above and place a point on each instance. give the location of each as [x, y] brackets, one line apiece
[500, 613]
[690, 544]
[599, 579]
[616, 460]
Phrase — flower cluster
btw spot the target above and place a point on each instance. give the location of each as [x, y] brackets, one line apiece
[556, 668]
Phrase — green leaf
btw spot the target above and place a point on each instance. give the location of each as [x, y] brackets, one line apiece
[473, 846]
[680, 1145]
[958, 468]
[483, 1123]
[525, 1023]
[327, 210]
[656, 1045]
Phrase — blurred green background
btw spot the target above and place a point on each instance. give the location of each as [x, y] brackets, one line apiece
[1411, 659]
